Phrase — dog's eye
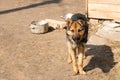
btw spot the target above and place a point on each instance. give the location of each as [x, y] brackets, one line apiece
[72, 30]
[79, 30]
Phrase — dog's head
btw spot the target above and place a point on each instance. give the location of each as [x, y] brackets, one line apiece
[76, 30]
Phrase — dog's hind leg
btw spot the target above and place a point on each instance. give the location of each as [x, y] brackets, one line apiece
[69, 58]
[84, 56]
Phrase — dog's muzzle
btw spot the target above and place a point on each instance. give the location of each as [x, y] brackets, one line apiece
[76, 39]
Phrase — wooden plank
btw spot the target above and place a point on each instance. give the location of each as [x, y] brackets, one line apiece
[103, 7]
[86, 7]
[105, 1]
[104, 15]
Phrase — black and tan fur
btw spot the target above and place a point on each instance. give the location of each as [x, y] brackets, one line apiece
[77, 33]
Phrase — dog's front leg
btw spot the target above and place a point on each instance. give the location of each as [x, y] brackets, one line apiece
[72, 58]
[69, 59]
[74, 61]
[80, 60]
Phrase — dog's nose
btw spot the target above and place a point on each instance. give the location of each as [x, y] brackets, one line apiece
[76, 39]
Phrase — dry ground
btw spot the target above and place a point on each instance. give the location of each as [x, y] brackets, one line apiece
[26, 56]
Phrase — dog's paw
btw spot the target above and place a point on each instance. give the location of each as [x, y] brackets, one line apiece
[84, 57]
[69, 61]
[74, 72]
[82, 72]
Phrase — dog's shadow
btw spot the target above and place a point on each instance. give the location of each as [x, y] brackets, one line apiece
[103, 58]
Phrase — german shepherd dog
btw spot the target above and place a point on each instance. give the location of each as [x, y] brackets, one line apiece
[77, 33]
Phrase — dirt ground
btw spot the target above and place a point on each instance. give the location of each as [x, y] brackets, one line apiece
[27, 56]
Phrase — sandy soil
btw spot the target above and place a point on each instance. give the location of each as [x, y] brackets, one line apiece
[27, 56]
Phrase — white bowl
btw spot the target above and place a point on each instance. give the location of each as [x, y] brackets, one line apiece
[39, 26]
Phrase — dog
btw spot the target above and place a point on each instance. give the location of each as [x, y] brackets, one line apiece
[77, 37]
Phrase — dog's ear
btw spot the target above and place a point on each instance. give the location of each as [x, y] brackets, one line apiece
[81, 22]
[69, 22]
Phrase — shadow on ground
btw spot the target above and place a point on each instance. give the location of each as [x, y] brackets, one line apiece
[30, 6]
[103, 58]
